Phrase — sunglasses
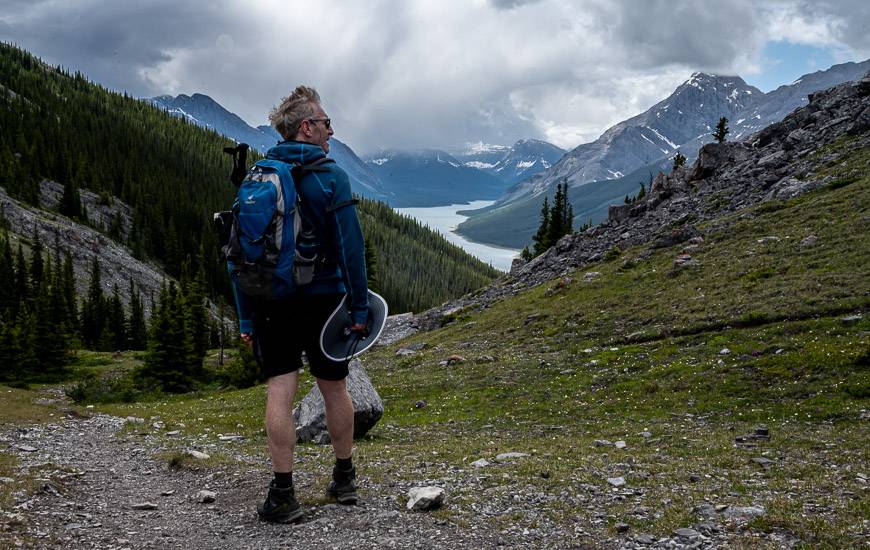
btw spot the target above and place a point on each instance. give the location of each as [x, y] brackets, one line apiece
[326, 122]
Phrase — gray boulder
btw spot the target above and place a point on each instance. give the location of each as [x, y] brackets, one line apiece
[310, 414]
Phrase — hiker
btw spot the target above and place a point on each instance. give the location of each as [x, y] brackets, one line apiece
[280, 330]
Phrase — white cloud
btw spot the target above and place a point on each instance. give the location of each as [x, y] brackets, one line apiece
[420, 73]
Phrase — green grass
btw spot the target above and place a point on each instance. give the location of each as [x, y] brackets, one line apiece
[638, 348]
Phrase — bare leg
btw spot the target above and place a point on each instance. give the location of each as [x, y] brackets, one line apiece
[339, 415]
[280, 392]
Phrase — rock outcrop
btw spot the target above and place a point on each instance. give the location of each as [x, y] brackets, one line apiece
[310, 414]
[778, 162]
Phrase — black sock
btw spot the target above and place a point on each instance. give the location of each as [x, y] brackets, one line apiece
[283, 480]
[344, 464]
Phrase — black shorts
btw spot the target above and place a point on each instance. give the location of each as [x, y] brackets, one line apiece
[283, 329]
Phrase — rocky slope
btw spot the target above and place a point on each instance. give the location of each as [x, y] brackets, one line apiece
[778, 162]
[60, 234]
[683, 121]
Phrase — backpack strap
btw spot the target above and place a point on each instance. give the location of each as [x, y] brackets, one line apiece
[240, 159]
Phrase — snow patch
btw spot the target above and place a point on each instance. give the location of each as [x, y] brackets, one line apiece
[523, 164]
[481, 147]
[380, 161]
[661, 137]
[479, 165]
[545, 164]
[739, 121]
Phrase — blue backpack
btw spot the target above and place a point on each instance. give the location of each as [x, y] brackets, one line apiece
[271, 249]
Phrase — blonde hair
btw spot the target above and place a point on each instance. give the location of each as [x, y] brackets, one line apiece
[296, 107]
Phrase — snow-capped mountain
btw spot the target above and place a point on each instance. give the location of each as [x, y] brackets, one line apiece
[511, 164]
[203, 111]
[526, 158]
[431, 177]
[683, 121]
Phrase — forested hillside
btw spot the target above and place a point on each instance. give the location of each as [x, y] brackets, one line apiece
[62, 127]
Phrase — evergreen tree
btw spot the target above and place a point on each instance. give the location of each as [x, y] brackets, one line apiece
[93, 309]
[371, 266]
[8, 280]
[71, 201]
[721, 130]
[679, 160]
[22, 278]
[50, 339]
[640, 194]
[37, 262]
[26, 360]
[541, 236]
[167, 361]
[138, 334]
[196, 330]
[9, 348]
[114, 336]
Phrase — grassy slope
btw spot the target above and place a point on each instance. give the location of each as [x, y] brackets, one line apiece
[637, 348]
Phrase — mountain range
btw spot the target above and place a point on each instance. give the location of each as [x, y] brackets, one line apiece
[413, 179]
[512, 164]
[631, 152]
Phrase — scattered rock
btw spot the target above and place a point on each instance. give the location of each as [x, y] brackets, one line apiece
[591, 276]
[205, 497]
[686, 533]
[144, 506]
[310, 414]
[421, 404]
[694, 478]
[616, 481]
[425, 498]
[646, 435]
[167, 493]
[135, 420]
[27, 448]
[721, 508]
[602, 443]
[481, 463]
[764, 462]
[504, 457]
[809, 241]
[621, 527]
[173, 433]
[851, 318]
[199, 455]
[742, 514]
[619, 444]
[724, 351]
[685, 260]
[769, 239]
[486, 359]
[455, 360]
[401, 352]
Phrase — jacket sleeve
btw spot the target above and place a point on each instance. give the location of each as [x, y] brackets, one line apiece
[350, 247]
[243, 304]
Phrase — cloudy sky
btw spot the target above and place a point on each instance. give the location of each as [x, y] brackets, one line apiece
[426, 73]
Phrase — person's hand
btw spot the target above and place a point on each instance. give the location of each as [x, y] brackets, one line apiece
[358, 327]
[247, 338]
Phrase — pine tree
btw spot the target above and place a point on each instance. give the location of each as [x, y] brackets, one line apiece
[37, 262]
[195, 326]
[8, 280]
[721, 130]
[679, 159]
[371, 266]
[541, 236]
[640, 194]
[71, 201]
[114, 337]
[93, 309]
[138, 334]
[167, 361]
[26, 360]
[9, 348]
[51, 343]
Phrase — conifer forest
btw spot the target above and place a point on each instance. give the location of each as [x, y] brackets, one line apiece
[61, 127]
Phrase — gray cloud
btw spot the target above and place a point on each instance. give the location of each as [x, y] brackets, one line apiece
[424, 74]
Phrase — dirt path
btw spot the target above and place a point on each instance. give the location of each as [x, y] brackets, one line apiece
[92, 475]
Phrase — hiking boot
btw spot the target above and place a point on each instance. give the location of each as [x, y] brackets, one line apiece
[342, 488]
[280, 506]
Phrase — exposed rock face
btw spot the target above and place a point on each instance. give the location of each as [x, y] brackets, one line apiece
[776, 163]
[117, 265]
[310, 415]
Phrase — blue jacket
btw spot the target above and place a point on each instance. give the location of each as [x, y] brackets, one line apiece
[339, 234]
